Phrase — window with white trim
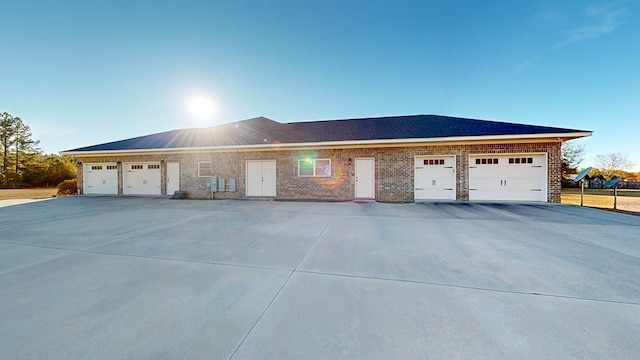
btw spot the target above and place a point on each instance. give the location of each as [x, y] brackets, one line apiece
[204, 168]
[314, 168]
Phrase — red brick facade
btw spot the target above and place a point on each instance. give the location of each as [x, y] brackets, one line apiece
[394, 169]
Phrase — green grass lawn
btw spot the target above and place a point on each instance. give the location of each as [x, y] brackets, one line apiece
[39, 193]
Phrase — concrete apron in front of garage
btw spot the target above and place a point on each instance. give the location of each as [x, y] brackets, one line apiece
[112, 277]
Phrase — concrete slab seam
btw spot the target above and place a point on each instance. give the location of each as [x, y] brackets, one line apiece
[261, 315]
[584, 241]
[318, 238]
[145, 257]
[284, 284]
[472, 288]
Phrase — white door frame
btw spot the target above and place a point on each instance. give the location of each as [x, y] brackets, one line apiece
[365, 182]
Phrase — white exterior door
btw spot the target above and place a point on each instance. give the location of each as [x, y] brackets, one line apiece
[261, 178]
[435, 178]
[141, 178]
[100, 178]
[513, 177]
[173, 177]
[365, 178]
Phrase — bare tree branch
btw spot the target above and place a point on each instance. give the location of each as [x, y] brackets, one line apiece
[612, 164]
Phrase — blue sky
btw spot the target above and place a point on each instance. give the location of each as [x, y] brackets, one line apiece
[86, 72]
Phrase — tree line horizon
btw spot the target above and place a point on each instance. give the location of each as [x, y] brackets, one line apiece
[23, 163]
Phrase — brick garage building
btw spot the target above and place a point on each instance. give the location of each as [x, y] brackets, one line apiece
[394, 159]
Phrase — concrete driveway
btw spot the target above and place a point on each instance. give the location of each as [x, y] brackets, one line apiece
[149, 278]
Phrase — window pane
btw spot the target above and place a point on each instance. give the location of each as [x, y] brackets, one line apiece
[323, 167]
[204, 168]
[305, 167]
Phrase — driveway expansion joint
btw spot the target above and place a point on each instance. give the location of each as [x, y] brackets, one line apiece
[471, 287]
[285, 282]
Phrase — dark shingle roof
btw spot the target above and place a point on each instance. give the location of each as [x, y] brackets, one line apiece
[260, 131]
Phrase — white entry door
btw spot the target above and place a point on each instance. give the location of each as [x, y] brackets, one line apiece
[513, 177]
[365, 178]
[435, 178]
[100, 178]
[261, 178]
[141, 179]
[173, 177]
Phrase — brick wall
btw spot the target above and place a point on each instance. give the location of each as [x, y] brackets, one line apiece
[394, 169]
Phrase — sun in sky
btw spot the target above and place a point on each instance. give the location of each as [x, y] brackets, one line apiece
[201, 107]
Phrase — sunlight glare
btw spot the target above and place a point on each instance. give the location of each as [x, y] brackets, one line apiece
[201, 108]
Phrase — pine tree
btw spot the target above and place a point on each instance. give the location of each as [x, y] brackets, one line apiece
[24, 144]
[16, 145]
[7, 128]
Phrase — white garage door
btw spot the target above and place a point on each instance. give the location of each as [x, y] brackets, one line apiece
[435, 178]
[514, 177]
[141, 179]
[100, 178]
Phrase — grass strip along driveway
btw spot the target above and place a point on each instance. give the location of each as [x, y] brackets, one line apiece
[40, 193]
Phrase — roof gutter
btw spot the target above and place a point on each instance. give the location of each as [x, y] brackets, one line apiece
[353, 143]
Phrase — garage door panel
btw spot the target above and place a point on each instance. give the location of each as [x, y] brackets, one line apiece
[523, 183]
[526, 171]
[100, 178]
[434, 178]
[142, 179]
[484, 183]
[514, 177]
[435, 182]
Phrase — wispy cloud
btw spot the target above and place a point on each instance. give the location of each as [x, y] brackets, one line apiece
[601, 20]
[4, 69]
[530, 61]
